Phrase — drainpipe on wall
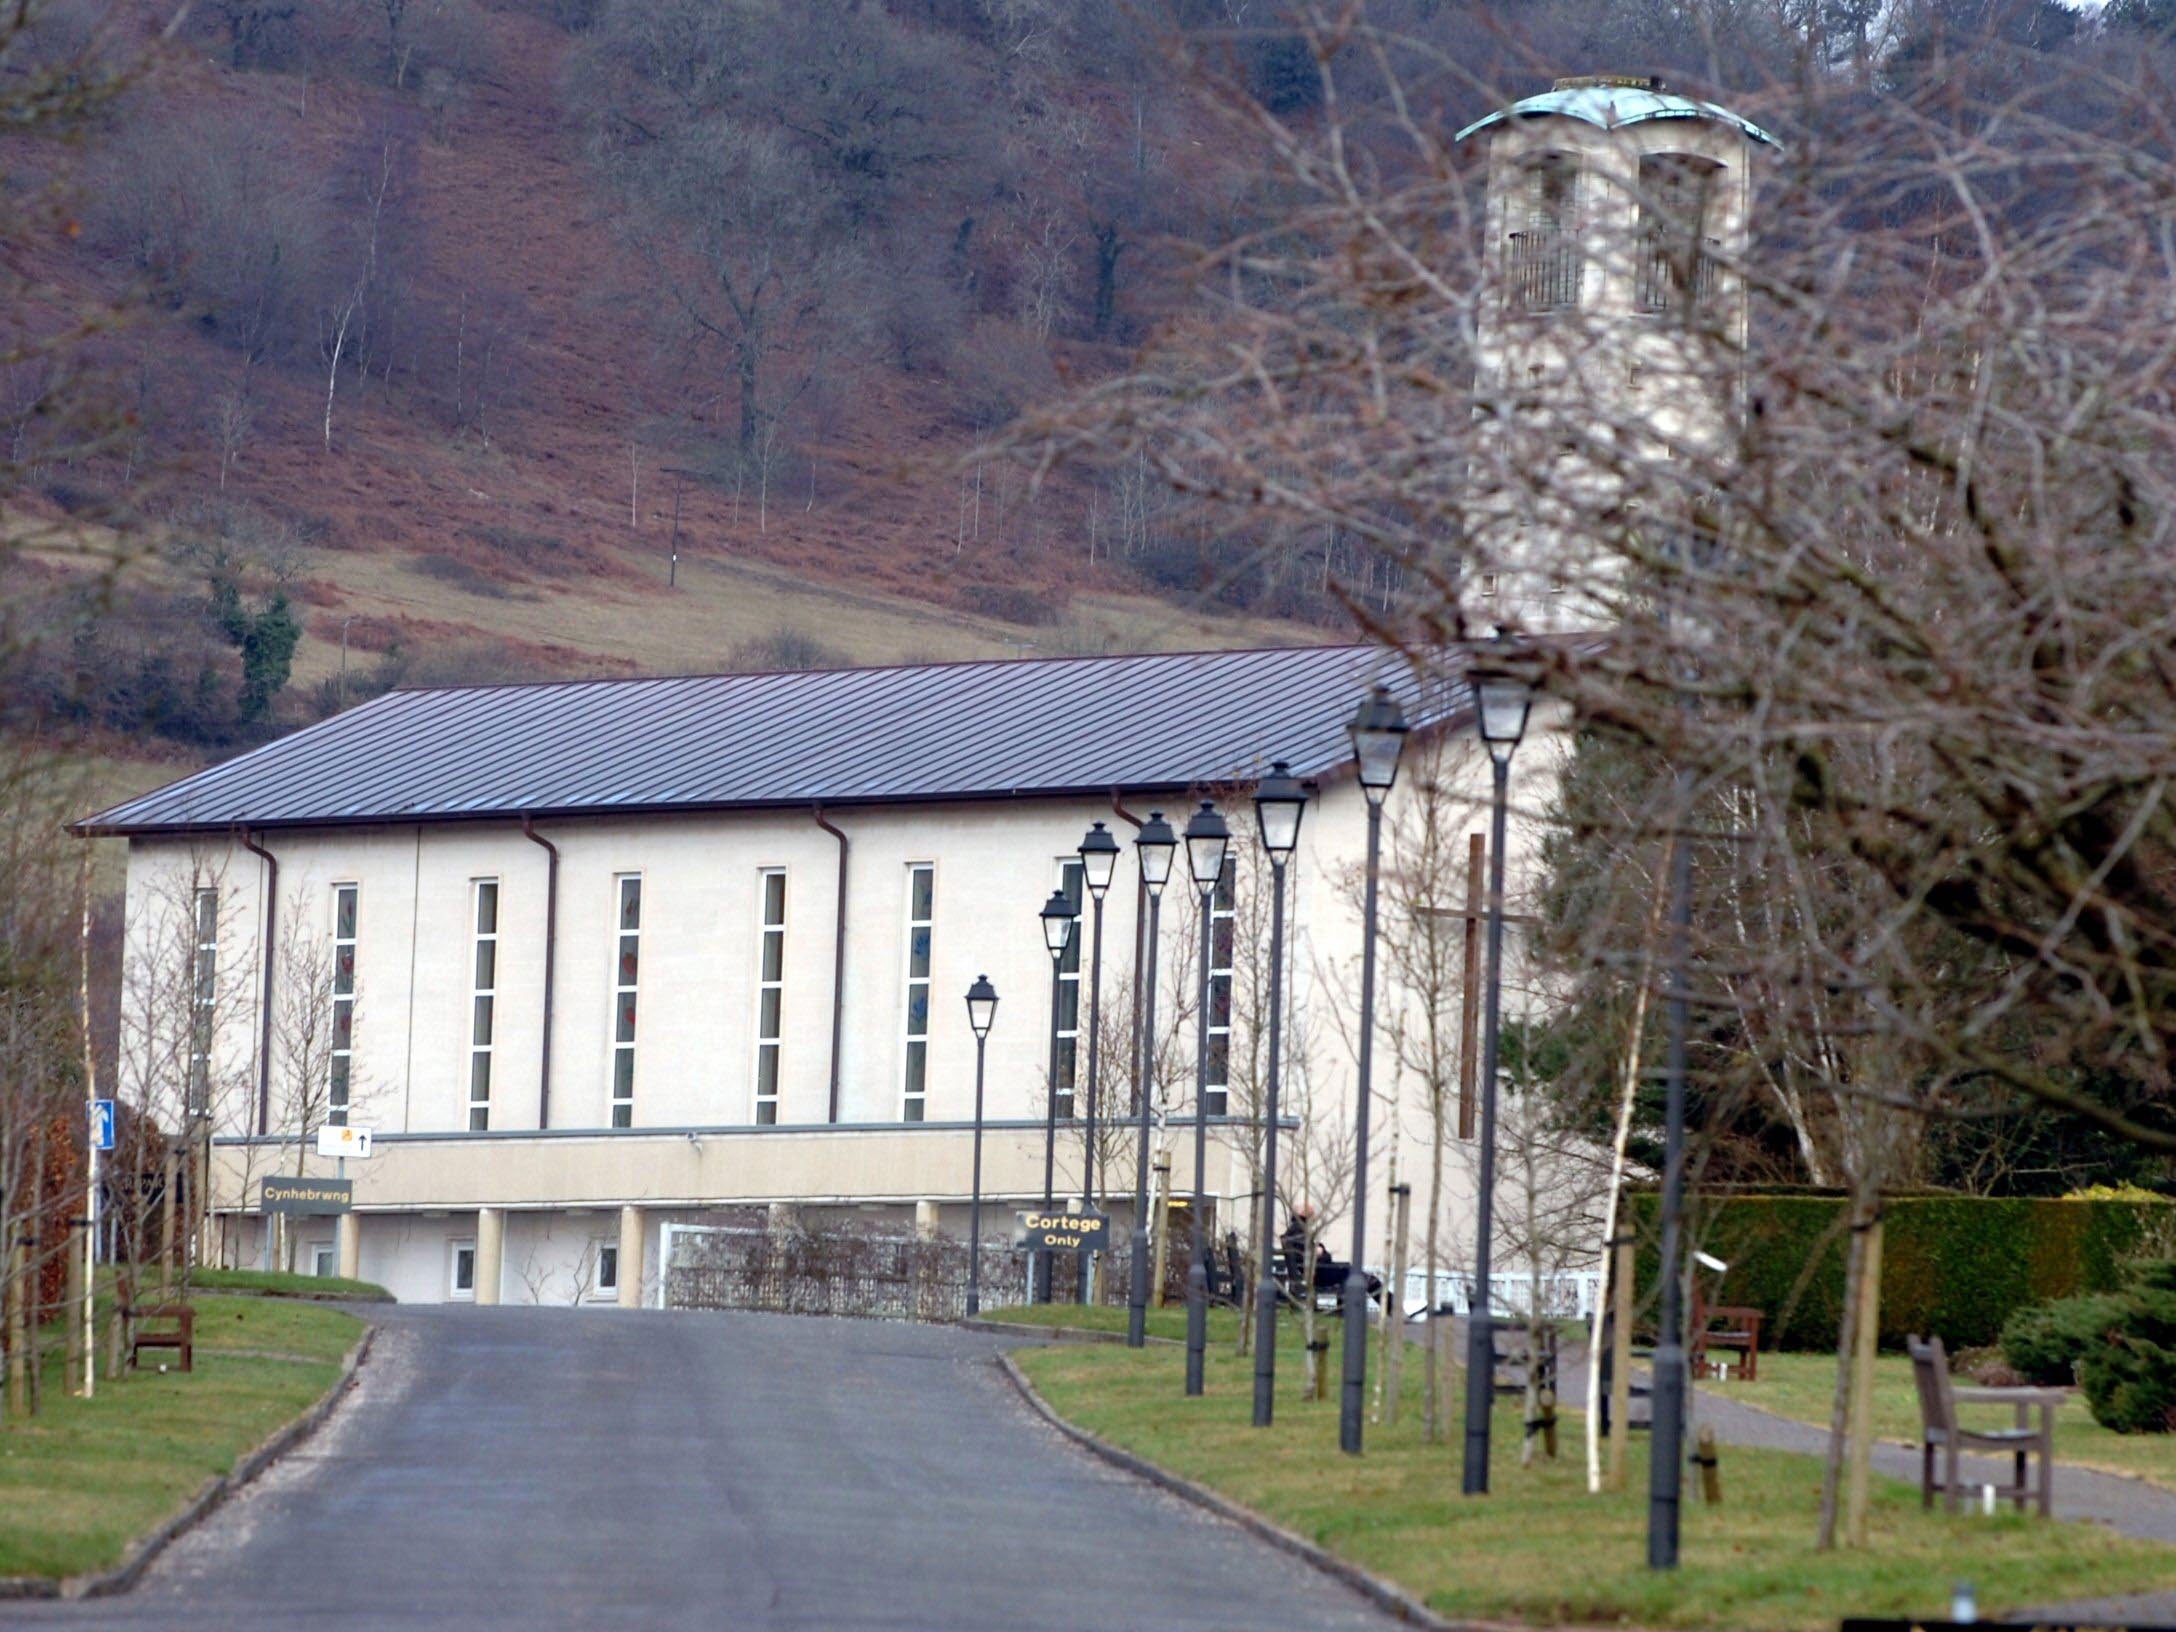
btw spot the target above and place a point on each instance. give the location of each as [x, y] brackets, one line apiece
[1140, 930]
[838, 958]
[264, 1005]
[551, 959]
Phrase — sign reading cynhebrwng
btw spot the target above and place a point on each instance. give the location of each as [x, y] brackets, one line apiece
[291, 1195]
[1069, 1230]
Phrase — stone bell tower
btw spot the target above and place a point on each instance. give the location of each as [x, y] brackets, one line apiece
[1608, 340]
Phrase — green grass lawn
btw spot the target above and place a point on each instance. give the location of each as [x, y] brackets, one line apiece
[289, 1286]
[1802, 1386]
[84, 1478]
[1168, 1322]
[1540, 1549]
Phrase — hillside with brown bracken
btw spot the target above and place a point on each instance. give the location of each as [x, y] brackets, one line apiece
[405, 350]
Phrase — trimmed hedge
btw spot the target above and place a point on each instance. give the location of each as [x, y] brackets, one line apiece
[1953, 1266]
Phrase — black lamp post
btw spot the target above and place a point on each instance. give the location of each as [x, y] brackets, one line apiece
[981, 1010]
[1279, 802]
[1156, 844]
[1057, 916]
[1502, 700]
[1378, 740]
[1666, 1453]
[1098, 864]
[1207, 840]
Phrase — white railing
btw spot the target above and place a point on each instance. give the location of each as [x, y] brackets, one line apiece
[1565, 1294]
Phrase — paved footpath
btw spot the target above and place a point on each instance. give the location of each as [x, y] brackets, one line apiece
[597, 1470]
[2130, 1505]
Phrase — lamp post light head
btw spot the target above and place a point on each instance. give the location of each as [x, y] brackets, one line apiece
[1156, 844]
[1057, 916]
[1207, 841]
[1098, 859]
[1502, 699]
[1279, 802]
[981, 1006]
[1378, 741]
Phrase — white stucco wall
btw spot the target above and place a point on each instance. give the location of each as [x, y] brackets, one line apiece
[693, 1143]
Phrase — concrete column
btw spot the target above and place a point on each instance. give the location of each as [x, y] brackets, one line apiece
[925, 1220]
[630, 1257]
[490, 1252]
[348, 1234]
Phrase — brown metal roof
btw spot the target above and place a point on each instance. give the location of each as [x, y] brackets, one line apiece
[941, 731]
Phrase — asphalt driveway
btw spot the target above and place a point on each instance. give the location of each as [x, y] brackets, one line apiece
[540, 1468]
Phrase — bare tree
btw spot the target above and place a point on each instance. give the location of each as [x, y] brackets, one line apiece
[1314, 1186]
[182, 1071]
[234, 416]
[1553, 1180]
[209, 208]
[40, 1067]
[1895, 577]
[316, 1003]
[1425, 901]
[362, 294]
[728, 221]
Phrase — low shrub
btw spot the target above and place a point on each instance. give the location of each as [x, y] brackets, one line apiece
[2129, 1375]
[1015, 603]
[782, 650]
[2044, 1342]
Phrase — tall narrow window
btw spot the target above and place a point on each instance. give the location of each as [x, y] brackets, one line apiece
[483, 1001]
[1676, 258]
[921, 908]
[204, 1001]
[1544, 264]
[608, 1270]
[770, 995]
[1066, 1022]
[623, 1001]
[461, 1270]
[343, 1004]
[1223, 922]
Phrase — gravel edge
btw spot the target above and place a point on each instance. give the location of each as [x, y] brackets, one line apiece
[1383, 1594]
[145, 1550]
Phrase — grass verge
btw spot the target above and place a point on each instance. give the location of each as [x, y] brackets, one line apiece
[1540, 1549]
[1170, 1322]
[288, 1286]
[1800, 1386]
[84, 1478]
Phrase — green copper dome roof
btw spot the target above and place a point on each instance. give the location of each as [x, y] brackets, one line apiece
[1611, 104]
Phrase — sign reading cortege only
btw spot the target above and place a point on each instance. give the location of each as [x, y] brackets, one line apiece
[1071, 1230]
[291, 1195]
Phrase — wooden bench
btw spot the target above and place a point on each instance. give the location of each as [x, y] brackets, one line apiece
[180, 1336]
[1731, 1327]
[1228, 1277]
[1939, 1430]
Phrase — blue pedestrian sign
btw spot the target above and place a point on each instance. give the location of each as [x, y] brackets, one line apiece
[102, 1124]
